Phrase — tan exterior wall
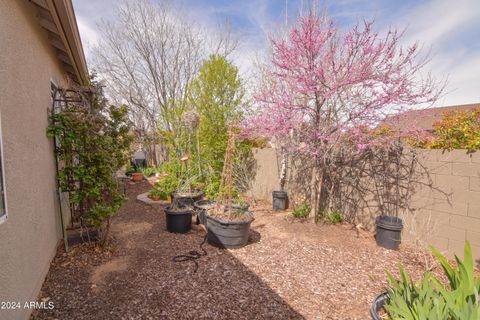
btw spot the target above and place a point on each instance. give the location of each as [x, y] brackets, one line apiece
[28, 238]
[444, 219]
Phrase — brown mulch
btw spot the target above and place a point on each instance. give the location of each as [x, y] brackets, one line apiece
[289, 270]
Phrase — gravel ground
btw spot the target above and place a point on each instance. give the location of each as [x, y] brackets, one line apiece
[289, 270]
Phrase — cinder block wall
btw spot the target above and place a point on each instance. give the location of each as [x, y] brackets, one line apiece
[454, 217]
[445, 216]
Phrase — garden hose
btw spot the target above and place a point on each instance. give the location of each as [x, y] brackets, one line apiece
[192, 255]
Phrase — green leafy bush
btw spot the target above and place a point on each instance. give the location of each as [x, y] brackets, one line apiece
[217, 95]
[168, 183]
[431, 299]
[155, 192]
[147, 171]
[93, 141]
[458, 129]
[211, 190]
[334, 217]
[302, 211]
[130, 169]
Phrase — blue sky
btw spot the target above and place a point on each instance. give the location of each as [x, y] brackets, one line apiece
[450, 29]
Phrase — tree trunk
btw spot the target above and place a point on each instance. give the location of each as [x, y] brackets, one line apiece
[315, 190]
[319, 192]
[154, 155]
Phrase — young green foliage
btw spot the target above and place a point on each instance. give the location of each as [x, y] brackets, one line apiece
[457, 130]
[302, 211]
[430, 299]
[334, 217]
[217, 95]
[93, 144]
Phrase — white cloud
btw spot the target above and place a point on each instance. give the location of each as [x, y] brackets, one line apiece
[88, 34]
[436, 22]
[464, 82]
[448, 27]
[444, 26]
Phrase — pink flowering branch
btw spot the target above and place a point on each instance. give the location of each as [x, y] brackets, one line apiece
[324, 84]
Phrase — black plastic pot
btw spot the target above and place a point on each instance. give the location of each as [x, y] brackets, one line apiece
[187, 200]
[279, 200]
[378, 304]
[388, 232]
[228, 234]
[178, 220]
[201, 209]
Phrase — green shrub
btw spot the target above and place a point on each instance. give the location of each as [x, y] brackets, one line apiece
[211, 190]
[155, 192]
[130, 169]
[334, 217]
[431, 299]
[168, 183]
[457, 129]
[93, 142]
[147, 171]
[302, 211]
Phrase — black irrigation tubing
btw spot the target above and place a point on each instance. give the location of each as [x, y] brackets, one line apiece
[192, 255]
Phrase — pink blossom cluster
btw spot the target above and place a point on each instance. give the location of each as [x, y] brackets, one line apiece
[324, 85]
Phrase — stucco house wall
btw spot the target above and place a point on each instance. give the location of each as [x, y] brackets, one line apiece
[29, 236]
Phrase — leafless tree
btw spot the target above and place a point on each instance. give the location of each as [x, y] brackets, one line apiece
[149, 55]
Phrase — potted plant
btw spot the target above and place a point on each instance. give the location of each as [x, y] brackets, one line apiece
[429, 298]
[227, 227]
[240, 205]
[179, 213]
[186, 193]
[395, 172]
[201, 207]
[137, 175]
[280, 197]
[179, 216]
[134, 172]
[147, 171]
[129, 169]
[156, 194]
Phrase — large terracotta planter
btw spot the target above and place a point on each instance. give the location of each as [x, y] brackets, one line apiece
[137, 176]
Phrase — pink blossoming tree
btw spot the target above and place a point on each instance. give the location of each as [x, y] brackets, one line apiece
[324, 87]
